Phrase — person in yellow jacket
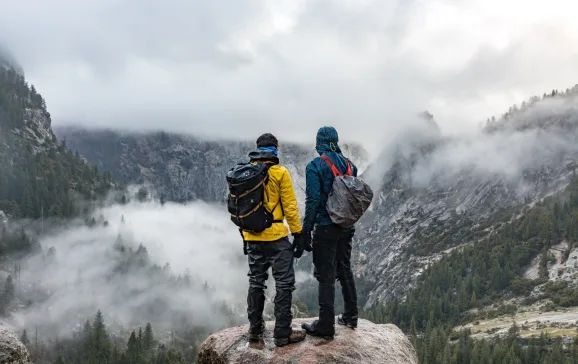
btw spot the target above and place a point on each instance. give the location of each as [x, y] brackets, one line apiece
[271, 248]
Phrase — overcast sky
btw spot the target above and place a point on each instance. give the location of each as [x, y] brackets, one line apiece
[237, 68]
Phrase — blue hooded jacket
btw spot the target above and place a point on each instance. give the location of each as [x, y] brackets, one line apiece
[319, 178]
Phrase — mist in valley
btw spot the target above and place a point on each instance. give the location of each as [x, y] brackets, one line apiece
[174, 265]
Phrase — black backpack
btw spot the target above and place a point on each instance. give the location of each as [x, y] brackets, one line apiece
[246, 200]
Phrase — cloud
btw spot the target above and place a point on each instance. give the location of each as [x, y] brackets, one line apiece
[516, 152]
[234, 68]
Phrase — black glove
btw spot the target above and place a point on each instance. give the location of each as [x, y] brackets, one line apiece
[298, 245]
[307, 241]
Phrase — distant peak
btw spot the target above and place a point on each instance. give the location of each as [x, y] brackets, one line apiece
[429, 119]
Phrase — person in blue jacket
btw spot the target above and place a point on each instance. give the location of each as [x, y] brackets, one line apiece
[331, 244]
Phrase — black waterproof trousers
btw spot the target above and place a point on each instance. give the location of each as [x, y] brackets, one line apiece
[279, 256]
[332, 260]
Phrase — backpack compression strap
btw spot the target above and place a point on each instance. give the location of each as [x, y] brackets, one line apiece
[334, 169]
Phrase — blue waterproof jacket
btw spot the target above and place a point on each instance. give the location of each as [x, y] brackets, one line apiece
[319, 178]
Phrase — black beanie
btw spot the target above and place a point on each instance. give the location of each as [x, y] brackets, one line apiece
[267, 140]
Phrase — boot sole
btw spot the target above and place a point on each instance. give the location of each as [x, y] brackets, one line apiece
[353, 327]
[326, 337]
[288, 342]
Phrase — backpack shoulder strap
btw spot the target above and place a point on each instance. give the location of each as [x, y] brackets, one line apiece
[349, 169]
[282, 210]
[334, 169]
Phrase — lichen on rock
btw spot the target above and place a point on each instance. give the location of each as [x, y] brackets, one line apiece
[12, 350]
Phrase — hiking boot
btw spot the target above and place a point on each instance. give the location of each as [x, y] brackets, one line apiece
[350, 322]
[313, 330]
[256, 333]
[295, 337]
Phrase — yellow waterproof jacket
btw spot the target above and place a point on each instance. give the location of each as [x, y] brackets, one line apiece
[279, 189]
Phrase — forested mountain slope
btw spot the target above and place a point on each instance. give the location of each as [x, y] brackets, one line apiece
[510, 282]
[38, 176]
[487, 281]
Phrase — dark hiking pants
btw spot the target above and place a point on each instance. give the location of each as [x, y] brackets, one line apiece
[279, 256]
[332, 260]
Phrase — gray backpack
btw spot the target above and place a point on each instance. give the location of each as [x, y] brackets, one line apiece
[349, 197]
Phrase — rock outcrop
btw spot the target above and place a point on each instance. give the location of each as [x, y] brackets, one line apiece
[12, 350]
[369, 343]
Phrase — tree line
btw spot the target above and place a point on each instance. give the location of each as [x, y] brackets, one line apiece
[96, 344]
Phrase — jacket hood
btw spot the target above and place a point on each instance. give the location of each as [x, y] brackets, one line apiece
[263, 155]
[327, 140]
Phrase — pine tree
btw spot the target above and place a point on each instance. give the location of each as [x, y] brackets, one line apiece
[100, 341]
[148, 340]
[133, 348]
[543, 269]
[139, 340]
[86, 341]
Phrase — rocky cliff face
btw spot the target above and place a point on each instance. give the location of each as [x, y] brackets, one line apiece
[437, 193]
[23, 115]
[182, 168]
[11, 349]
[368, 344]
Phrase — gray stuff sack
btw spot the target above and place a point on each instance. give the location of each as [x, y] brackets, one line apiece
[349, 198]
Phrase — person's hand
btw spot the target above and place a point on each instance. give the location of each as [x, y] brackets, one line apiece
[298, 245]
[307, 241]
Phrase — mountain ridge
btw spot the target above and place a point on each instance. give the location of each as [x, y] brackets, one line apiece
[182, 167]
[438, 194]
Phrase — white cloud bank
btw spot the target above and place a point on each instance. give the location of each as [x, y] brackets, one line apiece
[235, 68]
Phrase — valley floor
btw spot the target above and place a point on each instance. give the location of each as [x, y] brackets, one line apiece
[532, 322]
